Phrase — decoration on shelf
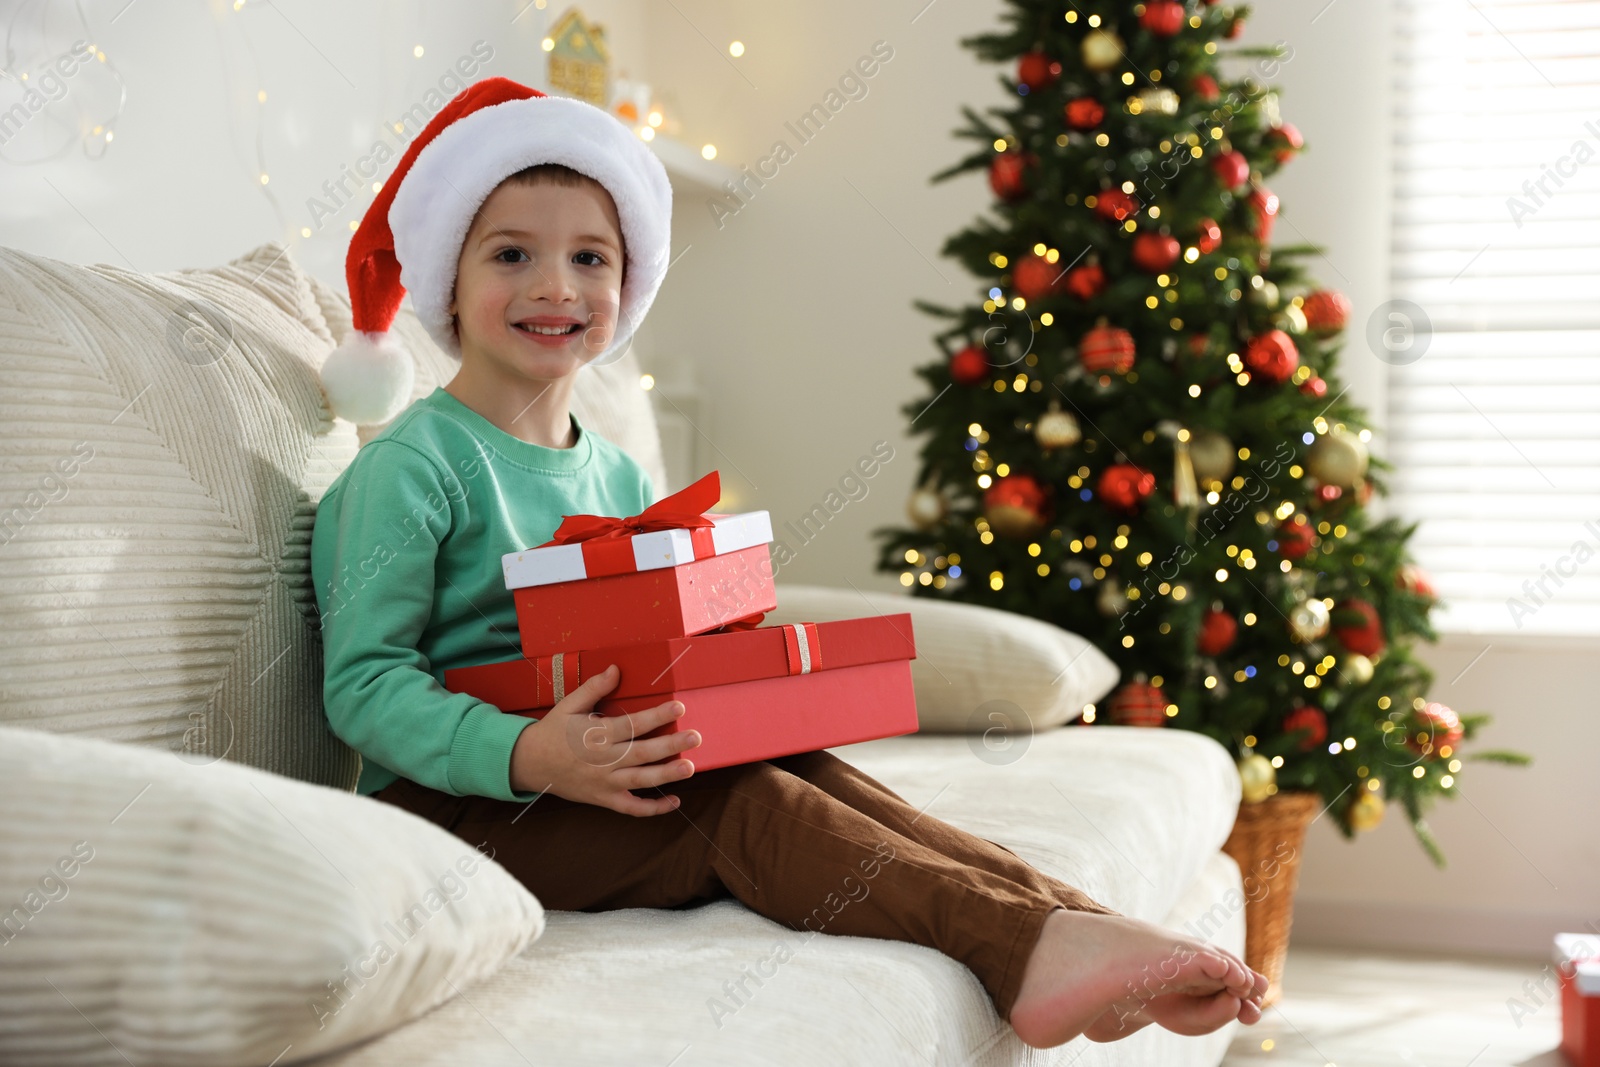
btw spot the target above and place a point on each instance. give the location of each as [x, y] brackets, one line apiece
[1337, 457]
[1057, 428]
[1015, 505]
[579, 60]
[1257, 777]
[1138, 703]
[630, 101]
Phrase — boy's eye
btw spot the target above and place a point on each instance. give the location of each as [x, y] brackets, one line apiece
[500, 255]
[596, 255]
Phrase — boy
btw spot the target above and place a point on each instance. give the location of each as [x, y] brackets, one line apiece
[532, 233]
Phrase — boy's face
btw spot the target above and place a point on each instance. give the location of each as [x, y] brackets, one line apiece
[539, 255]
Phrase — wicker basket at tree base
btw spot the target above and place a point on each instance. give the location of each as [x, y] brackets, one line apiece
[1265, 843]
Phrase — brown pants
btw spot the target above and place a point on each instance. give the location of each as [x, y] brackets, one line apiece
[806, 840]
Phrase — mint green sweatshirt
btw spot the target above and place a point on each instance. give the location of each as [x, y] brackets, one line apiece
[405, 560]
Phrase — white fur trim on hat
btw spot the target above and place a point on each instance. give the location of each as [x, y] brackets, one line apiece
[368, 379]
[455, 172]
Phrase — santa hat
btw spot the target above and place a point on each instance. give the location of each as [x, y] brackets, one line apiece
[411, 236]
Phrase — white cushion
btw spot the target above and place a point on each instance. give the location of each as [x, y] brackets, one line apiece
[163, 912]
[978, 669]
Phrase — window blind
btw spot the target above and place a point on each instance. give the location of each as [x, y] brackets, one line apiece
[1493, 332]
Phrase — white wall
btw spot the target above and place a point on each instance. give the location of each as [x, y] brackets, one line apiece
[795, 314]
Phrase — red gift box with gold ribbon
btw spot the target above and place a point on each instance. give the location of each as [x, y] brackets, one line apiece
[753, 692]
[673, 570]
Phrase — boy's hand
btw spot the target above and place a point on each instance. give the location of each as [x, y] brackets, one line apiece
[584, 756]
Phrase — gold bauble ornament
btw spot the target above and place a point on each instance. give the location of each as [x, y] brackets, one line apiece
[1291, 319]
[1258, 778]
[1112, 598]
[1102, 50]
[1266, 296]
[1211, 454]
[1057, 428]
[926, 508]
[1356, 668]
[1308, 620]
[1337, 457]
[1156, 100]
[1366, 811]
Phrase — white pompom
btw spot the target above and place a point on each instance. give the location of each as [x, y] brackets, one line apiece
[368, 379]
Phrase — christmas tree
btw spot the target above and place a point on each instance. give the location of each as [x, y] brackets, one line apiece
[1140, 434]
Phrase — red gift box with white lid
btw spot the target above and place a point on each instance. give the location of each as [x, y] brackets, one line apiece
[753, 692]
[674, 570]
[1577, 958]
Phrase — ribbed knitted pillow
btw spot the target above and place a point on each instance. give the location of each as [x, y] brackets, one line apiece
[160, 912]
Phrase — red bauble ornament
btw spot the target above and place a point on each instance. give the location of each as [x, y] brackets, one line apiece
[1433, 728]
[1106, 349]
[1310, 719]
[1155, 252]
[1232, 169]
[1363, 632]
[970, 366]
[1235, 28]
[1037, 70]
[1295, 538]
[1008, 174]
[1414, 580]
[1123, 485]
[1015, 505]
[1162, 17]
[1205, 87]
[1199, 345]
[1208, 236]
[1035, 277]
[1285, 140]
[1138, 704]
[1272, 356]
[1115, 205]
[1326, 312]
[1086, 282]
[1264, 204]
[1217, 631]
[1084, 113]
[1314, 386]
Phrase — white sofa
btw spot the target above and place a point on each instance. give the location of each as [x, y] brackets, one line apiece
[163, 447]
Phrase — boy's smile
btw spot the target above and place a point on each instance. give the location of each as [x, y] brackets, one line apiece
[538, 287]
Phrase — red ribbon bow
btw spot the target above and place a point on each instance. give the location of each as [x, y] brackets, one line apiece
[684, 509]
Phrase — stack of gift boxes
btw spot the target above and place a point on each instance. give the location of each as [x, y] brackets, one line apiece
[674, 596]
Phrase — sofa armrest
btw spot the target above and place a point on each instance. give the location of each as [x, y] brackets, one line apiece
[972, 661]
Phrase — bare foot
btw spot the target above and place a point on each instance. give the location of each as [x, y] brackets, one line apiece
[1108, 976]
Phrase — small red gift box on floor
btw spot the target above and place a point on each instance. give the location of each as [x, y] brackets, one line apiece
[752, 693]
[673, 570]
[1577, 958]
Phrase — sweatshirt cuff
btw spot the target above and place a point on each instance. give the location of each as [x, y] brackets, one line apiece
[480, 755]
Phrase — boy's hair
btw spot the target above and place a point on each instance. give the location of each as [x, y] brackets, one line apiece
[545, 174]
